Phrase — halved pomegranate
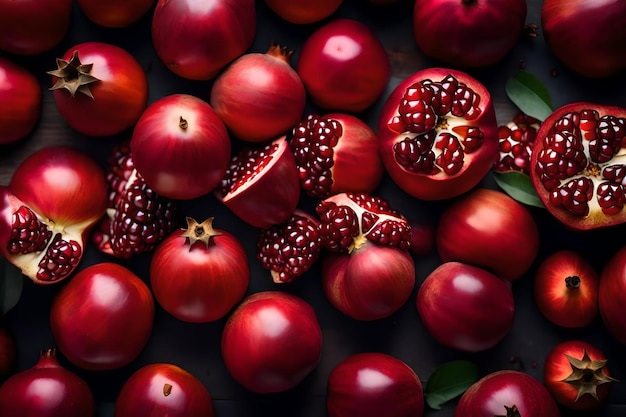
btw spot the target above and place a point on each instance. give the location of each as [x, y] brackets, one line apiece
[516, 140]
[336, 153]
[137, 218]
[54, 198]
[579, 165]
[438, 133]
[261, 184]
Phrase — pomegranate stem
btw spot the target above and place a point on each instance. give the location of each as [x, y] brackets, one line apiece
[572, 281]
[182, 123]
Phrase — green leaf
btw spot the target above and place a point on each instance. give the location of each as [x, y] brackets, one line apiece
[529, 94]
[11, 284]
[519, 186]
[449, 381]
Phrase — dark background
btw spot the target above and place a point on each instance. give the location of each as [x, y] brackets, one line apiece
[195, 347]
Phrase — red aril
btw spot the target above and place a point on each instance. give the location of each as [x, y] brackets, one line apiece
[344, 66]
[259, 96]
[200, 273]
[438, 133]
[302, 12]
[517, 138]
[54, 198]
[20, 101]
[180, 147]
[577, 165]
[336, 153]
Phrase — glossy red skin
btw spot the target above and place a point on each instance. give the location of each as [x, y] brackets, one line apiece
[574, 222]
[562, 305]
[30, 27]
[102, 318]
[143, 393]
[259, 96]
[465, 308]
[195, 40]
[344, 66]
[489, 396]
[557, 367]
[20, 101]
[271, 342]
[440, 186]
[175, 162]
[612, 293]
[273, 195]
[422, 238]
[589, 37]
[374, 384]
[115, 13]
[491, 230]
[371, 283]
[47, 390]
[468, 34]
[8, 352]
[303, 11]
[196, 283]
[119, 97]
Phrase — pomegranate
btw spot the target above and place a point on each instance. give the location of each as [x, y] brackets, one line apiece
[507, 393]
[198, 274]
[491, 230]
[374, 384]
[137, 217]
[8, 352]
[47, 390]
[54, 198]
[438, 133]
[271, 342]
[576, 374]
[589, 37]
[516, 139]
[336, 153]
[611, 293]
[163, 390]
[259, 96]
[289, 249]
[464, 307]
[468, 33]
[577, 166]
[261, 184]
[303, 11]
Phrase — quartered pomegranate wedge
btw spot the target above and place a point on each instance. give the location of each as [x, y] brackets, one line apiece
[438, 133]
[578, 165]
[516, 140]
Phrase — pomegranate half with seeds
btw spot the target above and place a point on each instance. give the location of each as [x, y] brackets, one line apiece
[438, 133]
[578, 165]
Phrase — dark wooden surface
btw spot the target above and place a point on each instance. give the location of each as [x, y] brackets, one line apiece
[196, 346]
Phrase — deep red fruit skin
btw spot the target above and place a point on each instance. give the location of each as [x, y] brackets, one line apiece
[302, 12]
[180, 147]
[355, 66]
[611, 295]
[119, 97]
[588, 37]
[566, 289]
[372, 384]
[271, 342]
[195, 41]
[20, 101]
[476, 164]
[103, 317]
[591, 170]
[163, 390]
[468, 33]
[422, 238]
[371, 283]
[46, 390]
[464, 307]
[491, 230]
[490, 396]
[8, 352]
[116, 13]
[33, 26]
[557, 367]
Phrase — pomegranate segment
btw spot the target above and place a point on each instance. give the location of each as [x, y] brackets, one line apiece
[579, 165]
[516, 140]
[438, 133]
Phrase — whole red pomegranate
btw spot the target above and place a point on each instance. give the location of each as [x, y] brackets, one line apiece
[576, 165]
[302, 12]
[611, 293]
[20, 101]
[468, 33]
[589, 37]
[438, 133]
[46, 390]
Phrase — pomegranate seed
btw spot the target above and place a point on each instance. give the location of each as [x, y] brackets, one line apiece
[60, 259]
[245, 165]
[28, 233]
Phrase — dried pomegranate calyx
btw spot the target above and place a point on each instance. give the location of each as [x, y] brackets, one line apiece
[200, 232]
[587, 375]
[73, 75]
